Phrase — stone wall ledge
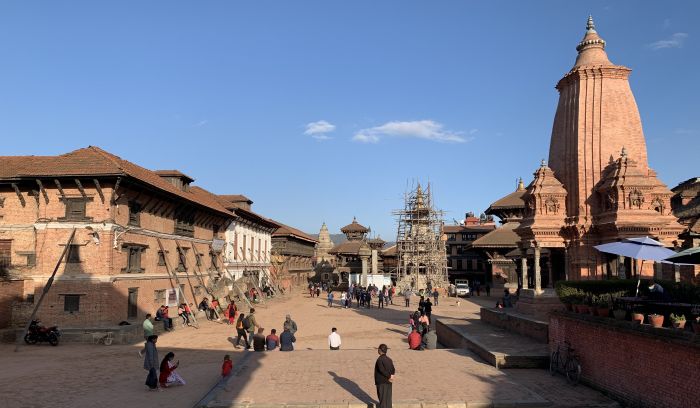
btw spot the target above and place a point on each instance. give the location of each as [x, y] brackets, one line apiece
[668, 335]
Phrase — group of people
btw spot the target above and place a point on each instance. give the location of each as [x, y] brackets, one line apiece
[160, 375]
[253, 335]
[420, 334]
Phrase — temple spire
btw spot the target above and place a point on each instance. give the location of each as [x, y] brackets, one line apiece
[591, 49]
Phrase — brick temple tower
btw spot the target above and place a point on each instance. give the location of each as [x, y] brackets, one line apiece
[597, 186]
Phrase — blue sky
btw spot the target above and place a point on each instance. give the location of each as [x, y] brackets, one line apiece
[320, 110]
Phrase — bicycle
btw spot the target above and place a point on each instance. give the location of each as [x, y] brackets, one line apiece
[571, 365]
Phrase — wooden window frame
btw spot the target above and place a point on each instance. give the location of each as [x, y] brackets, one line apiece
[134, 214]
[71, 214]
[133, 268]
[68, 307]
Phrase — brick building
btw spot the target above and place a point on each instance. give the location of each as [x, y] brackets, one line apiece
[292, 255]
[463, 261]
[133, 226]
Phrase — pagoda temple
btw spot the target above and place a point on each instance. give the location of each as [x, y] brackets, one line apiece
[597, 186]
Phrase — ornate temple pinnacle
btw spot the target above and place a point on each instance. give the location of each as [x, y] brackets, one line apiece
[543, 164]
[590, 26]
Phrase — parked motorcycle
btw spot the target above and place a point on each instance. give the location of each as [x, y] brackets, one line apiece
[40, 333]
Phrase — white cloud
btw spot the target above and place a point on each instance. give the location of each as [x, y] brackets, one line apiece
[201, 123]
[318, 130]
[684, 131]
[421, 129]
[675, 41]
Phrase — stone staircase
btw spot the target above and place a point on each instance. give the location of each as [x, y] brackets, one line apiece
[503, 339]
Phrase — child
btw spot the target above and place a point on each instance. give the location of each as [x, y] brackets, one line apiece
[227, 366]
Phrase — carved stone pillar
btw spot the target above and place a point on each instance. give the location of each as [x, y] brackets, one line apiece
[538, 276]
[567, 261]
[363, 281]
[523, 267]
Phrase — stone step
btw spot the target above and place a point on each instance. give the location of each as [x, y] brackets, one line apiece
[496, 346]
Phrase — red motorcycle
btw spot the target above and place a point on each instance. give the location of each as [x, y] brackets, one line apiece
[38, 333]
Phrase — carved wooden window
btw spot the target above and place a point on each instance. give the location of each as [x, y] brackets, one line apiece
[161, 258]
[75, 209]
[184, 223]
[71, 303]
[135, 214]
[5, 255]
[636, 199]
[181, 260]
[133, 259]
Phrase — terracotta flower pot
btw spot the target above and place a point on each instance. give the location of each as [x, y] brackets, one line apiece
[603, 312]
[638, 318]
[620, 314]
[656, 320]
[583, 309]
[679, 325]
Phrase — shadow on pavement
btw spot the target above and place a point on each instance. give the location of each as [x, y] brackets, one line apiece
[354, 389]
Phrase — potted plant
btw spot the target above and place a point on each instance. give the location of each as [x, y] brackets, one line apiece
[638, 317]
[678, 321]
[603, 307]
[620, 314]
[656, 320]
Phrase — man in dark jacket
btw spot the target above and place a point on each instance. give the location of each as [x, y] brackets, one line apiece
[383, 377]
[287, 340]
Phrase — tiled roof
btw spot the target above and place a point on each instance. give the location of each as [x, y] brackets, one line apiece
[467, 228]
[286, 230]
[391, 251]
[93, 161]
[512, 200]
[236, 198]
[173, 173]
[504, 237]
[348, 247]
[354, 227]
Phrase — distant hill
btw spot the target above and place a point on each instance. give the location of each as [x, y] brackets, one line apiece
[340, 238]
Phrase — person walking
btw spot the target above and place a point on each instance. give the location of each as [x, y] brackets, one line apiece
[384, 373]
[232, 310]
[488, 289]
[407, 297]
[150, 362]
[380, 303]
[227, 366]
[436, 295]
[251, 324]
[147, 332]
[334, 339]
[241, 332]
[343, 300]
[330, 299]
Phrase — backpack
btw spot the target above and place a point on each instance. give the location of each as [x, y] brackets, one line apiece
[246, 323]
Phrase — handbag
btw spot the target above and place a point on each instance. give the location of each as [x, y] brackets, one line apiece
[152, 379]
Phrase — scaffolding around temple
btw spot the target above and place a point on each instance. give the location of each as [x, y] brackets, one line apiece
[420, 247]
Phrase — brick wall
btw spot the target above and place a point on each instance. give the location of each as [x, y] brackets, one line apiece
[639, 365]
[10, 291]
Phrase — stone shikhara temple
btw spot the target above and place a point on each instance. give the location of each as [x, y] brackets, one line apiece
[597, 185]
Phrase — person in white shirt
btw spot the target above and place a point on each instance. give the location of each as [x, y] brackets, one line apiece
[334, 339]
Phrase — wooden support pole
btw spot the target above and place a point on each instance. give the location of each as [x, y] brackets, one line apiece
[183, 256]
[19, 194]
[43, 190]
[173, 274]
[99, 190]
[46, 288]
[60, 189]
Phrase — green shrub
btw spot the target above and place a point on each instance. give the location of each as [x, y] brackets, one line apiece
[590, 290]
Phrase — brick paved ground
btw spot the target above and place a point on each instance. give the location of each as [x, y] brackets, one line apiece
[73, 375]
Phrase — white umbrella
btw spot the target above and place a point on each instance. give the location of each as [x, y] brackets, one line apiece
[643, 248]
